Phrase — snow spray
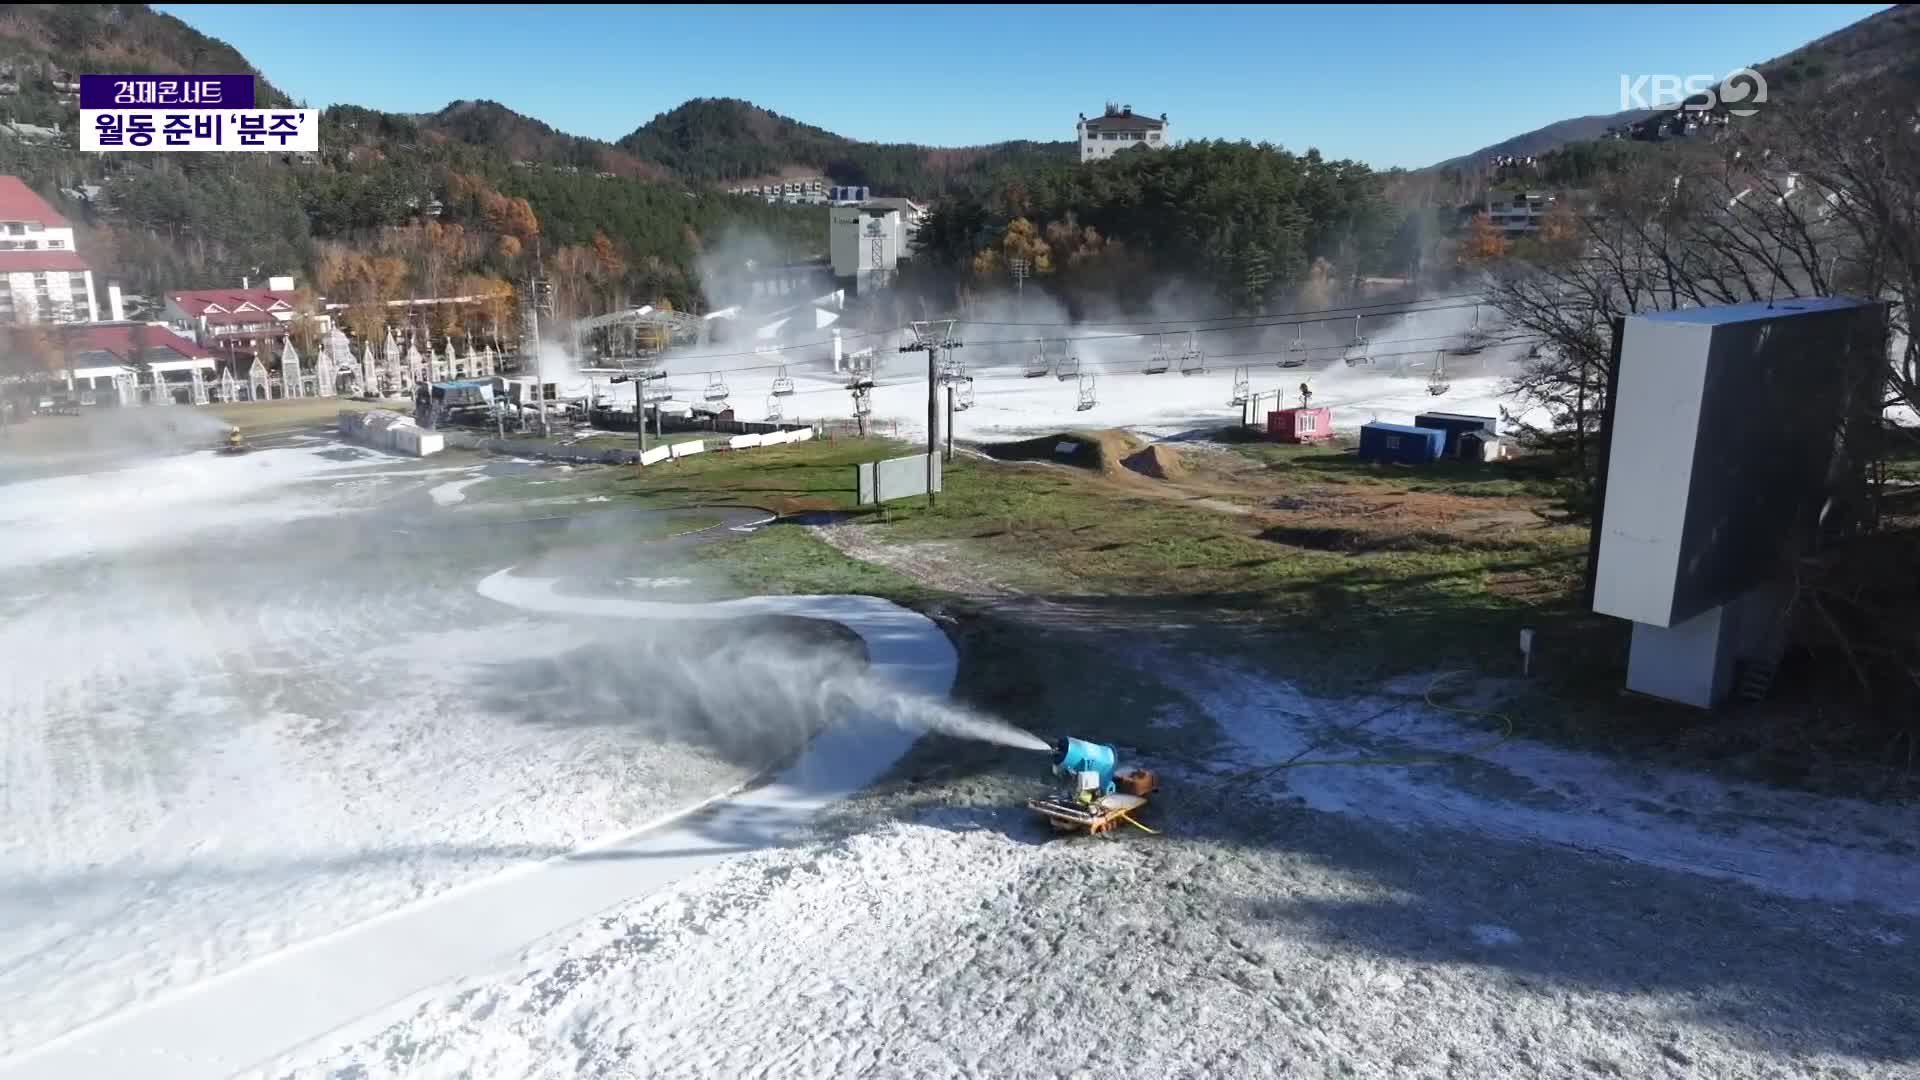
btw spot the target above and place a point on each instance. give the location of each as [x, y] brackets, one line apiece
[747, 692]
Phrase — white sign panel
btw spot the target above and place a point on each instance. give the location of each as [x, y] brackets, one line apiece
[896, 478]
[225, 130]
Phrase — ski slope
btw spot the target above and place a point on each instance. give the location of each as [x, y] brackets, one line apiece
[1404, 349]
[253, 703]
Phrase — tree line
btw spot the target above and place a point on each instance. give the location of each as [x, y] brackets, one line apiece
[1246, 225]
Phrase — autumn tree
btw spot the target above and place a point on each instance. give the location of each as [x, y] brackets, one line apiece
[494, 309]
[365, 283]
[609, 267]
[1020, 241]
[305, 329]
[1485, 244]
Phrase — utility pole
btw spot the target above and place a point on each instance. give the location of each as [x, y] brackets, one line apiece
[930, 337]
[540, 291]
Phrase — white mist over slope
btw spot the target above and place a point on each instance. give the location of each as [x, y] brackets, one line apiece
[1390, 382]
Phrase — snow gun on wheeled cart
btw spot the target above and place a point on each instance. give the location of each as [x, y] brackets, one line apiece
[1100, 795]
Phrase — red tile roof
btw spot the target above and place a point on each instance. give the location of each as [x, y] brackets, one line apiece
[19, 203]
[196, 302]
[41, 260]
[240, 318]
[117, 339]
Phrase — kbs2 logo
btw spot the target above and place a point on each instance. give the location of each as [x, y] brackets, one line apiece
[1741, 92]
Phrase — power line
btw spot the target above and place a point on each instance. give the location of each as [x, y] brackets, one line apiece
[1349, 309]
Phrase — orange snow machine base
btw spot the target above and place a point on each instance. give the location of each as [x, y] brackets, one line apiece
[1067, 814]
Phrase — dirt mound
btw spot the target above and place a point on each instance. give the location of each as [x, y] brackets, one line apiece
[1160, 461]
[1100, 451]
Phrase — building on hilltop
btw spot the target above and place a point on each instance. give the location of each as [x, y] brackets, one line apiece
[1117, 129]
[46, 279]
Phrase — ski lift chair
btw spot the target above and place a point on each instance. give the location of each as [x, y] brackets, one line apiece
[1159, 362]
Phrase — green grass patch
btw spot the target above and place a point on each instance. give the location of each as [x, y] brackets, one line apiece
[784, 479]
[789, 559]
[1524, 477]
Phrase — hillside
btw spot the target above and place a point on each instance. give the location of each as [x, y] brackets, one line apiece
[728, 140]
[1877, 45]
[492, 126]
[1552, 137]
[39, 41]
[153, 222]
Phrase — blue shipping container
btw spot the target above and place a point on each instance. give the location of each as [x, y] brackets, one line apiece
[1456, 425]
[1398, 442]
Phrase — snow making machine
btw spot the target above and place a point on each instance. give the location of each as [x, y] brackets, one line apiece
[1100, 795]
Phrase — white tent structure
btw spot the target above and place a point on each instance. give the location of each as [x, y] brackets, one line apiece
[259, 388]
[228, 389]
[290, 376]
[399, 380]
[370, 381]
[199, 377]
[413, 365]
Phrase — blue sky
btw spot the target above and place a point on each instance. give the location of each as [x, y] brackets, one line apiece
[1386, 85]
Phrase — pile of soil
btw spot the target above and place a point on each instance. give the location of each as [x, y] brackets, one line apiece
[1160, 461]
[1099, 451]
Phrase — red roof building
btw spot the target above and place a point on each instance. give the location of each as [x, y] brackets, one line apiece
[42, 276]
[196, 303]
[19, 203]
[117, 341]
[236, 325]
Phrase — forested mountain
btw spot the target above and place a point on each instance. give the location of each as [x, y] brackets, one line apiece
[383, 186]
[1247, 225]
[726, 139]
[492, 126]
[647, 208]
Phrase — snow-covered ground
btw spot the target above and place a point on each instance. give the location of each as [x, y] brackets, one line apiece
[1546, 914]
[252, 700]
[1392, 387]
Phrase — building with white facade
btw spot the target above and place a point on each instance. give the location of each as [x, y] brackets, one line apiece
[1117, 129]
[46, 279]
[1519, 215]
[866, 243]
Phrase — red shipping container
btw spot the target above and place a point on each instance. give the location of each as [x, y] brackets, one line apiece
[1300, 425]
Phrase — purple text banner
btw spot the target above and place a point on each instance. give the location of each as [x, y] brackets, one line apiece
[166, 91]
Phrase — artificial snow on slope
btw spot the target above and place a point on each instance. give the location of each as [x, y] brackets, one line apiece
[1393, 386]
[963, 944]
[1792, 843]
[222, 733]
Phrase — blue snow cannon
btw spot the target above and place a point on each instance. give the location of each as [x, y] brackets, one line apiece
[1078, 756]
